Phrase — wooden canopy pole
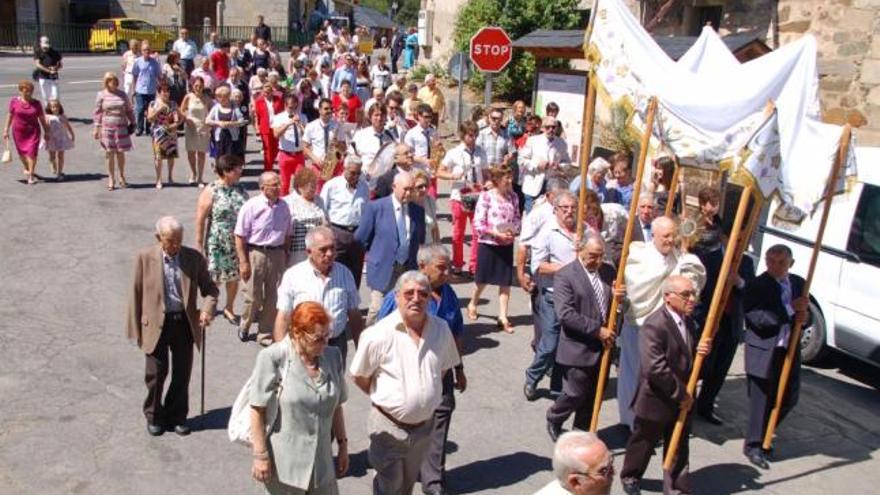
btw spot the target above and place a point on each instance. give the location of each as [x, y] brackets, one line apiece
[715, 308]
[586, 147]
[795, 337]
[624, 254]
[673, 188]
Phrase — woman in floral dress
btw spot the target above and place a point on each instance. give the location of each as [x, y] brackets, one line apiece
[165, 118]
[218, 207]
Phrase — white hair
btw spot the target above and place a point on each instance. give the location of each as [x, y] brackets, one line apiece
[565, 459]
[670, 283]
[430, 252]
[319, 231]
[168, 225]
[599, 165]
[266, 176]
[413, 276]
[588, 238]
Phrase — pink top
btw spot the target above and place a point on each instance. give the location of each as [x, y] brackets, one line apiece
[492, 211]
[262, 224]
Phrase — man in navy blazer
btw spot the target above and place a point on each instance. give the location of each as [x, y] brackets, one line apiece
[391, 230]
[773, 303]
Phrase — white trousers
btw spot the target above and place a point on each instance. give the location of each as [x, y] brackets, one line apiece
[48, 89]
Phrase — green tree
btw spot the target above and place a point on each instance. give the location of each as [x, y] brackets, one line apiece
[518, 18]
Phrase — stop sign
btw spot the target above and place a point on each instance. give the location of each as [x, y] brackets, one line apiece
[491, 49]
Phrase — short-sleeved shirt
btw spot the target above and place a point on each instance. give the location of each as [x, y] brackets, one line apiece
[496, 146]
[468, 163]
[47, 58]
[314, 135]
[336, 292]
[367, 142]
[406, 376]
[146, 72]
[301, 438]
[186, 48]
[220, 64]
[344, 204]
[419, 139]
[447, 308]
[292, 139]
[262, 224]
[353, 103]
[552, 245]
[434, 98]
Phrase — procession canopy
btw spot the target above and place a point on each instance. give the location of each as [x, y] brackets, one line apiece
[711, 110]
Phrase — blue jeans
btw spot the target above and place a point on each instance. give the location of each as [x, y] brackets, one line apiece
[527, 203]
[545, 354]
[141, 102]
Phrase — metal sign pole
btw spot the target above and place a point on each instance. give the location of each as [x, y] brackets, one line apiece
[487, 96]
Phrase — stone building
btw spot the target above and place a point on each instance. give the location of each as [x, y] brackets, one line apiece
[193, 12]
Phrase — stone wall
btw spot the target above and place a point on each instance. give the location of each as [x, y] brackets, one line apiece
[159, 14]
[442, 42]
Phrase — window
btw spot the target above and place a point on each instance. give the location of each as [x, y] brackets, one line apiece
[132, 25]
[864, 235]
[702, 15]
[148, 2]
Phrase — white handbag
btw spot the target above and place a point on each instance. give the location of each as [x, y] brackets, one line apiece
[239, 428]
[7, 154]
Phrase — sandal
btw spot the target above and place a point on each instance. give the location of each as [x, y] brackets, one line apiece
[230, 316]
[122, 183]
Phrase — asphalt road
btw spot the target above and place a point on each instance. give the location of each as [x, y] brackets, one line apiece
[72, 386]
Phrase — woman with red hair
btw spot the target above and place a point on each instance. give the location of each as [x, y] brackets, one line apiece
[295, 455]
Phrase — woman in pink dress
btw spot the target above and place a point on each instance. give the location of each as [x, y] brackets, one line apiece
[28, 122]
[114, 123]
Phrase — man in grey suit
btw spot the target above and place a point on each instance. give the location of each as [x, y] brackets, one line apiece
[667, 341]
[582, 295]
[163, 317]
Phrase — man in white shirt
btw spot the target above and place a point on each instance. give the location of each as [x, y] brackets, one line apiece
[344, 198]
[582, 465]
[466, 166]
[396, 124]
[320, 134]
[541, 154]
[378, 97]
[187, 49]
[288, 129]
[399, 363]
[367, 141]
[420, 137]
[321, 279]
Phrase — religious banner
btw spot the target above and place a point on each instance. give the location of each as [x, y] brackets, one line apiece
[711, 107]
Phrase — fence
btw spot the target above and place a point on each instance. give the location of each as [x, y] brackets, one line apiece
[75, 37]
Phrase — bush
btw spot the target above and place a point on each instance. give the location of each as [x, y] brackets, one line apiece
[518, 18]
[419, 72]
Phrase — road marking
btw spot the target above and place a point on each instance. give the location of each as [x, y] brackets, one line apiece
[90, 81]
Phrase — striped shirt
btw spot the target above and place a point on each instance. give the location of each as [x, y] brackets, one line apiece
[336, 292]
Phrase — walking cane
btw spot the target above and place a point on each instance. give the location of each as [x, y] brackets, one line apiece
[204, 331]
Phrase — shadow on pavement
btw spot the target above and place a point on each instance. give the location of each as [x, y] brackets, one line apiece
[477, 336]
[727, 478]
[215, 419]
[495, 473]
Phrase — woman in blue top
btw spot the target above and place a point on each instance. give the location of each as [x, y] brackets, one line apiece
[411, 52]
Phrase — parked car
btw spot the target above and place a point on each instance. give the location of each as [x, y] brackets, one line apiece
[108, 35]
[845, 292]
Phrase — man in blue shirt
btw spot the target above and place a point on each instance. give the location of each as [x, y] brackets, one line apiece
[596, 173]
[146, 71]
[345, 73]
[434, 262]
[210, 45]
[187, 49]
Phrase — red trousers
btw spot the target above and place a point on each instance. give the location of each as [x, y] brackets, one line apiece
[270, 151]
[459, 225]
[288, 165]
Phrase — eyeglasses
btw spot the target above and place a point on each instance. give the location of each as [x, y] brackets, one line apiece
[605, 471]
[686, 294]
[566, 207]
[412, 293]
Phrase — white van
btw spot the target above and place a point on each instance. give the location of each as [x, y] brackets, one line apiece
[845, 293]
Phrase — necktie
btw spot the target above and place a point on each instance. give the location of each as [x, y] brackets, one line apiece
[393, 131]
[296, 136]
[597, 290]
[472, 170]
[403, 242]
[326, 139]
[379, 136]
[427, 133]
[682, 328]
[648, 235]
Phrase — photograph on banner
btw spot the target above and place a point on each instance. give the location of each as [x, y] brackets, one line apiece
[567, 89]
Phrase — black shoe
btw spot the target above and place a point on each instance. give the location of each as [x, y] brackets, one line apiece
[710, 417]
[554, 430]
[243, 335]
[434, 490]
[182, 430]
[768, 453]
[631, 488]
[530, 392]
[756, 458]
[154, 430]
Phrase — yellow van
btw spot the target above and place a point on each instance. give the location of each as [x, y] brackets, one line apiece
[108, 35]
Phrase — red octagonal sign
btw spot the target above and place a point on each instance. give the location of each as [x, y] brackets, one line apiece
[491, 49]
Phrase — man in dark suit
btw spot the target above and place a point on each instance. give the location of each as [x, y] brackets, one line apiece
[391, 231]
[163, 316]
[773, 303]
[729, 332]
[397, 44]
[582, 296]
[403, 162]
[646, 215]
[666, 347]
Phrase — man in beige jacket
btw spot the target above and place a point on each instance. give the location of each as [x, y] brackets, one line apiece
[163, 316]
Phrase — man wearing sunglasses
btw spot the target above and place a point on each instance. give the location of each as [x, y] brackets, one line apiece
[582, 464]
[667, 342]
[543, 155]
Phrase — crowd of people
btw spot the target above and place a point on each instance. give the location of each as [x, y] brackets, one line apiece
[351, 159]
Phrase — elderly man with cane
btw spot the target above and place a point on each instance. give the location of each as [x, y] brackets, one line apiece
[163, 316]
